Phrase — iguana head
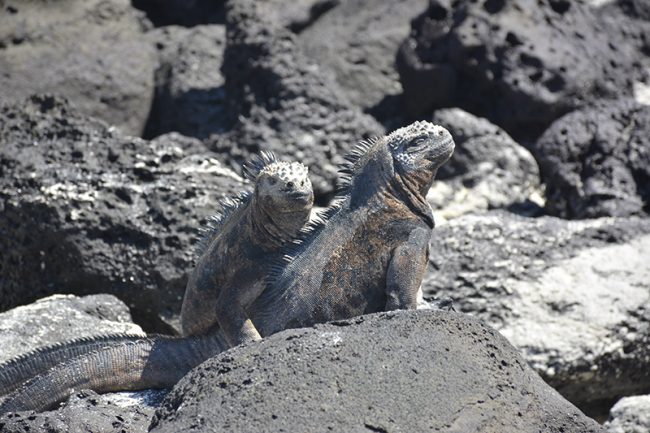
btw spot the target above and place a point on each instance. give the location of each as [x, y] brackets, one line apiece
[418, 151]
[281, 186]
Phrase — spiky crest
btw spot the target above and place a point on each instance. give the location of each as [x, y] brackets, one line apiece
[257, 164]
[43, 351]
[347, 170]
[227, 207]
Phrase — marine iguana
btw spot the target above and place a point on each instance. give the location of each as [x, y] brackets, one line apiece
[368, 254]
[229, 272]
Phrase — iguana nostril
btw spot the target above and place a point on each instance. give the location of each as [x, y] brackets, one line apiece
[290, 184]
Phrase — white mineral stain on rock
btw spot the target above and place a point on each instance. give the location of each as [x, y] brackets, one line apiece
[575, 310]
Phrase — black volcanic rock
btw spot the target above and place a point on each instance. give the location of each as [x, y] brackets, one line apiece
[190, 93]
[405, 371]
[596, 161]
[520, 63]
[186, 13]
[359, 43]
[92, 52]
[281, 101]
[573, 296]
[83, 210]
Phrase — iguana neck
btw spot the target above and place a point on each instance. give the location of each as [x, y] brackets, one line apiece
[377, 183]
[412, 189]
[274, 229]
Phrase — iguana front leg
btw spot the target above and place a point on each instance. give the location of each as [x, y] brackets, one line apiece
[406, 271]
[234, 321]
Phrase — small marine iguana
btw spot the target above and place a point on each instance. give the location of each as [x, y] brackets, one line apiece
[368, 254]
[230, 271]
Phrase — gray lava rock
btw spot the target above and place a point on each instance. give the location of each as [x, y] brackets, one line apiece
[61, 318]
[190, 96]
[630, 415]
[359, 43]
[572, 295]
[83, 210]
[596, 161]
[399, 371]
[88, 412]
[93, 52]
[520, 63]
[488, 169]
[280, 101]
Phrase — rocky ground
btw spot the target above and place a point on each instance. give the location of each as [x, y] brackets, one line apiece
[122, 123]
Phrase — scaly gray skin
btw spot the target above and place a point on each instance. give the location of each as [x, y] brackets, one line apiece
[230, 273]
[231, 270]
[368, 254]
[372, 253]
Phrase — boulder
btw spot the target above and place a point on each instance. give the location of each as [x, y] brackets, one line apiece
[573, 296]
[488, 170]
[596, 161]
[281, 101]
[190, 94]
[60, 318]
[362, 55]
[398, 371]
[83, 210]
[86, 411]
[630, 415]
[520, 63]
[93, 52]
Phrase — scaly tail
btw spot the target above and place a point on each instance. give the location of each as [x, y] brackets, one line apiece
[19, 370]
[147, 362]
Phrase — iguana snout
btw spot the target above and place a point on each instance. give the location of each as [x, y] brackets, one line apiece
[285, 186]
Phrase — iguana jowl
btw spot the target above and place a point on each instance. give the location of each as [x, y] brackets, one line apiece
[368, 255]
[233, 258]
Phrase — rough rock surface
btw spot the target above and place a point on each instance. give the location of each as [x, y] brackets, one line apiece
[281, 101]
[84, 211]
[60, 318]
[189, 96]
[93, 52]
[126, 412]
[572, 295]
[515, 62]
[596, 161]
[630, 415]
[399, 371]
[488, 169]
[362, 55]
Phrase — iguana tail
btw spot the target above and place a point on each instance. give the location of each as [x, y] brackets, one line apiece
[147, 362]
[19, 370]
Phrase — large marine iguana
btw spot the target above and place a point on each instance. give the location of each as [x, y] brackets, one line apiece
[368, 255]
[230, 270]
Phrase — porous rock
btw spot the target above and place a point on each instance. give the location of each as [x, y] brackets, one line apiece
[83, 210]
[521, 63]
[398, 371]
[630, 415]
[190, 96]
[93, 52]
[359, 43]
[573, 296]
[86, 411]
[596, 161]
[283, 102]
[60, 318]
[488, 170]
